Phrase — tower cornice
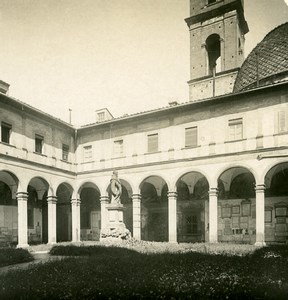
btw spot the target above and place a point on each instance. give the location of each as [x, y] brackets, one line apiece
[219, 8]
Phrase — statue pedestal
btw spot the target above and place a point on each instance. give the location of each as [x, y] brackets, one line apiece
[115, 228]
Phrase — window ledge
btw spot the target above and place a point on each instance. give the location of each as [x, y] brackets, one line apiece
[190, 147]
[41, 154]
[281, 133]
[118, 157]
[6, 144]
[87, 162]
[66, 161]
[155, 152]
[234, 141]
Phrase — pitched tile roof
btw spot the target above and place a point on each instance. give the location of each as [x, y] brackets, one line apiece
[267, 63]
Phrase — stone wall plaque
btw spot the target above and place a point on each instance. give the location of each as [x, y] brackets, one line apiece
[281, 211]
[246, 209]
[235, 221]
[244, 219]
[268, 215]
[281, 228]
[226, 211]
[281, 220]
[236, 209]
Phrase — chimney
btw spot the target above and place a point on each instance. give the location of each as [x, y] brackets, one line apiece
[4, 87]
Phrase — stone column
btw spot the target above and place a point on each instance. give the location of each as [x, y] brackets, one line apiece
[52, 202]
[260, 213]
[75, 207]
[22, 198]
[172, 217]
[104, 200]
[213, 215]
[136, 199]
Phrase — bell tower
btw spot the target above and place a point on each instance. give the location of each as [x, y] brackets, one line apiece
[217, 30]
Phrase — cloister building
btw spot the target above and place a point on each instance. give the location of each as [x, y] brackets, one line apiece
[214, 169]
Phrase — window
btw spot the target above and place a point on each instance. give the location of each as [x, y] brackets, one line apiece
[282, 124]
[191, 137]
[39, 140]
[65, 152]
[235, 129]
[191, 224]
[211, 1]
[118, 148]
[87, 153]
[5, 132]
[30, 217]
[101, 117]
[152, 143]
[213, 48]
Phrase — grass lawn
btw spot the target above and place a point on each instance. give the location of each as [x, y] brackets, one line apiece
[103, 272]
[11, 256]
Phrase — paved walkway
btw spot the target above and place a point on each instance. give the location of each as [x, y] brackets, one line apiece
[39, 257]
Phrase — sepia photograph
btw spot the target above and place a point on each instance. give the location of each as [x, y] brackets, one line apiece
[143, 149]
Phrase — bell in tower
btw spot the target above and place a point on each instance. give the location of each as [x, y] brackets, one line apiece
[217, 30]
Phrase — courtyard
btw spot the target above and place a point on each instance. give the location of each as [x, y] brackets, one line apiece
[147, 270]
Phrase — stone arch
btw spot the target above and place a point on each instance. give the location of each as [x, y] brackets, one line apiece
[276, 203]
[63, 212]
[37, 210]
[191, 170]
[154, 209]
[90, 211]
[237, 205]
[192, 207]
[213, 49]
[8, 207]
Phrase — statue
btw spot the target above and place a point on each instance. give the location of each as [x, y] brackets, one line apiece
[116, 188]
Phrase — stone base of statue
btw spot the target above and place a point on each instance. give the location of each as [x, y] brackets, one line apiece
[115, 229]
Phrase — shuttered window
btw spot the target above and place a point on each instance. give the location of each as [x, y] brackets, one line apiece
[152, 143]
[118, 148]
[87, 153]
[235, 129]
[282, 123]
[191, 137]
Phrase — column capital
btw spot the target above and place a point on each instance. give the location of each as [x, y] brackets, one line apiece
[75, 202]
[22, 196]
[136, 197]
[213, 192]
[260, 188]
[104, 199]
[52, 199]
[172, 194]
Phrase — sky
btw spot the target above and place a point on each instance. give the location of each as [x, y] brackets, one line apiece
[128, 56]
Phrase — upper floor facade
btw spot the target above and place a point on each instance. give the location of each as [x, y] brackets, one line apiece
[253, 121]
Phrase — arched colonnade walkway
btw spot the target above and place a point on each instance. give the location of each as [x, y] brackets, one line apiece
[230, 203]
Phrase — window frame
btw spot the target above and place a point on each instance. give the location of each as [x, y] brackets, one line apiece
[150, 147]
[65, 152]
[282, 118]
[86, 157]
[39, 139]
[191, 145]
[118, 148]
[232, 125]
[8, 127]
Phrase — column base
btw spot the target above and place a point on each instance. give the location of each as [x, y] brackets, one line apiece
[22, 246]
[260, 244]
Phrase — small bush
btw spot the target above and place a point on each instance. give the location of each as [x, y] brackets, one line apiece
[10, 256]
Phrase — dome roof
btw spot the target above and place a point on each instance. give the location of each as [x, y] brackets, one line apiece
[267, 63]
